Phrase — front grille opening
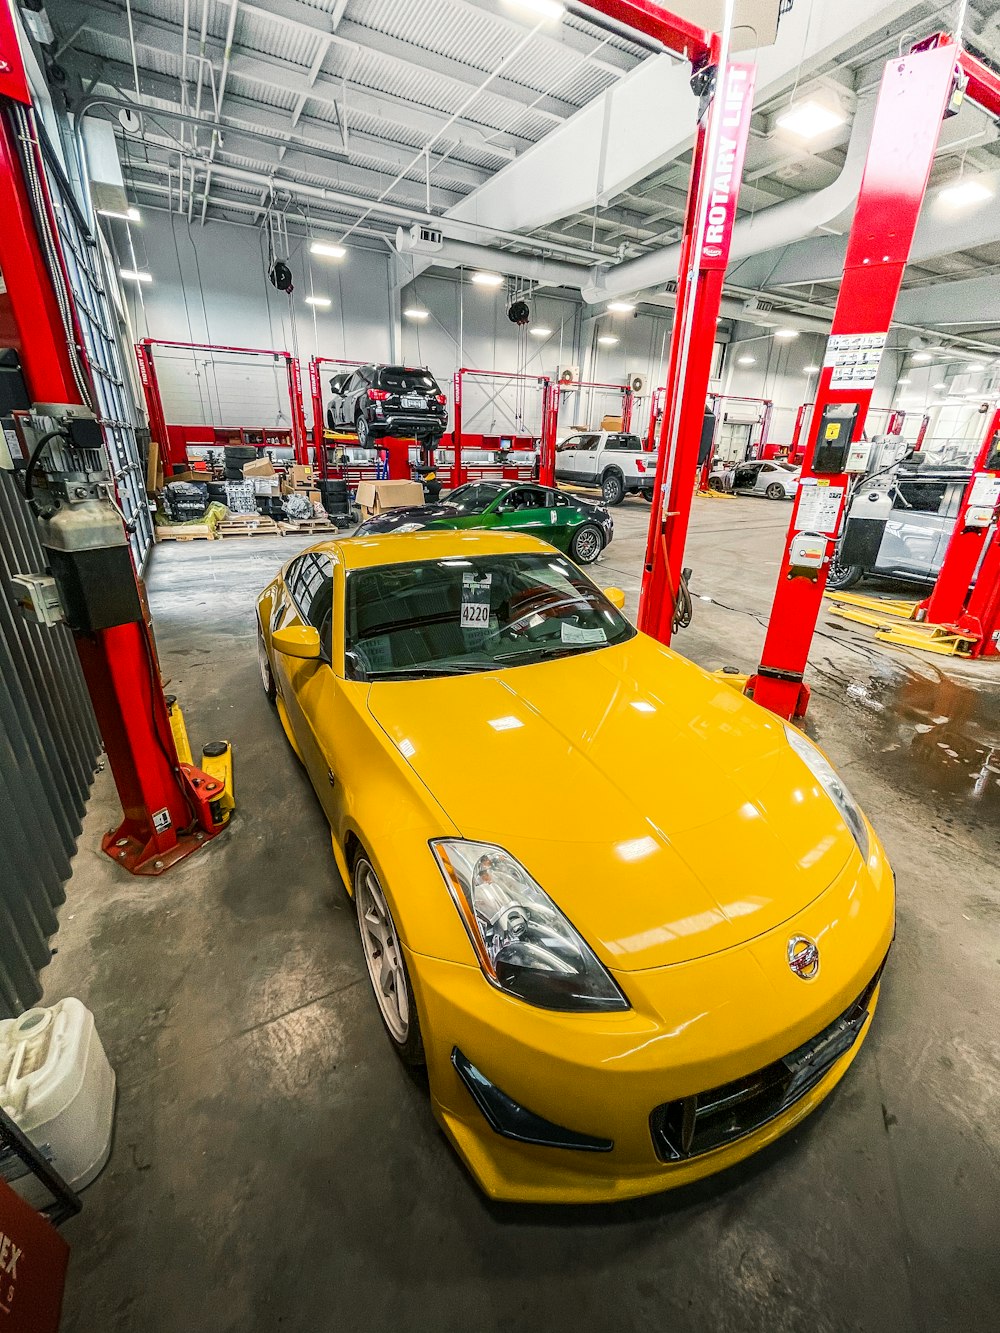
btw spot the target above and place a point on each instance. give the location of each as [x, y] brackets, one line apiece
[694, 1125]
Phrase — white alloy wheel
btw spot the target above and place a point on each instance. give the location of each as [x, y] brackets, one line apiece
[383, 952]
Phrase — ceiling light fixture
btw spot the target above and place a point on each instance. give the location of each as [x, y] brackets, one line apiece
[747, 360]
[414, 313]
[487, 279]
[922, 357]
[540, 332]
[903, 381]
[135, 275]
[543, 9]
[810, 370]
[939, 386]
[787, 334]
[621, 307]
[971, 190]
[810, 119]
[607, 339]
[132, 214]
[326, 250]
[322, 301]
[973, 370]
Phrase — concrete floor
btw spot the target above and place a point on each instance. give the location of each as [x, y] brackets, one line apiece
[275, 1166]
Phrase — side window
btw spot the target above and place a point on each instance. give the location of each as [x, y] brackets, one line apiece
[572, 443]
[922, 497]
[310, 582]
[556, 500]
[588, 441]
[623, 442]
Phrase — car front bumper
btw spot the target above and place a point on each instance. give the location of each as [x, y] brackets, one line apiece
[692, 1028]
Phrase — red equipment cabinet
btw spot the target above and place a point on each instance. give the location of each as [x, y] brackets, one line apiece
[915, 94]
[174, 437]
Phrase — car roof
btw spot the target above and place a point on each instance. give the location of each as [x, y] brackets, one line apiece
[400, 548]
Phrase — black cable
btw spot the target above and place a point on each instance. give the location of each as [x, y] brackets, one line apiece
[683, 606]
[36, 453]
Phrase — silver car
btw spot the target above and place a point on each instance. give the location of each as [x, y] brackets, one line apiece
[770, 477]
[917, 531]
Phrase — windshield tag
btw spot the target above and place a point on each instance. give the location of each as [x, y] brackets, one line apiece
[579, 634]
[475, 600]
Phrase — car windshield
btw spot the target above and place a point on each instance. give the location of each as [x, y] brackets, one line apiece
[475, 496]
[456, 616]
[405, 377]
[787, 467]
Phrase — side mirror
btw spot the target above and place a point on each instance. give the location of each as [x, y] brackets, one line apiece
[616, 597]
[296, 641]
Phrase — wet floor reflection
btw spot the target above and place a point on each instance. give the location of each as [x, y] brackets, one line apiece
[938, 736]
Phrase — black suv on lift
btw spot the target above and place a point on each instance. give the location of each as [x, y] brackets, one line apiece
[388, 400]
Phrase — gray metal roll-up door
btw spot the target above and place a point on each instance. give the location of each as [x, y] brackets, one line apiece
[49, 745]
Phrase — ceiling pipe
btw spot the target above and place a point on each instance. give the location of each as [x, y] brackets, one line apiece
[773, 227]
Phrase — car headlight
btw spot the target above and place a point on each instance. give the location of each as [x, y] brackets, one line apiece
[828, 778]
[525, 945]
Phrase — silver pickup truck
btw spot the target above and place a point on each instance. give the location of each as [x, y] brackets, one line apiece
[613, 461]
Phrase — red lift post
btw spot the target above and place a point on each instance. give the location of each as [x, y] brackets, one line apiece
[914, 97]
[550, 408]
[173, 437]
[976, 532]
[318, 410]
[166, 804]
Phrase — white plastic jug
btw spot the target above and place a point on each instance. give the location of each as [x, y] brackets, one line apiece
[57, 1085]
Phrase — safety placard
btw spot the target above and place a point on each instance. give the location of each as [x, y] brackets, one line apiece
[819, 506]
[985, 490]
[475, 601]
[854, 358]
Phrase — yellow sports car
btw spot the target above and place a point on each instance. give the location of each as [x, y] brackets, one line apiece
[632, 922]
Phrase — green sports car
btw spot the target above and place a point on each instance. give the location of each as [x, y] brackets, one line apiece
[579, 527]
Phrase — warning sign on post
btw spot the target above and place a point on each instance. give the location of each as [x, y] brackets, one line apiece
[854, 358]
[819, 506]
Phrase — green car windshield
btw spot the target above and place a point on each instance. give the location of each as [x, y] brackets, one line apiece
[475, 496]
[450, 617]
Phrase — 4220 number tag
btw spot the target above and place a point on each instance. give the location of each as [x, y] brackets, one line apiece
[475, 601]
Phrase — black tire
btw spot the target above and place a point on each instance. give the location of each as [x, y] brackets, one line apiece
[586, 544]
[234, 474]
[264, 665]
[407, 1039]
[646, 495]
[612, 487]
[364, 431]
[775, 491]
[841, 577]
[240, 453]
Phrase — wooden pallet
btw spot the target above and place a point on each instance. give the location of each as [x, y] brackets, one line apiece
[194, 532]
[245, 525]
[306, 525]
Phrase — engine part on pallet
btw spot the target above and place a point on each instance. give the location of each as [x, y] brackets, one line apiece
[241, 497]
[185, 501]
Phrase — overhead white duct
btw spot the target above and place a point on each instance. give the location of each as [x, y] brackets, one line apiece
[452, 254]
[768, 230]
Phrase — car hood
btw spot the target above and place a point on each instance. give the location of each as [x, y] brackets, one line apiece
[665, 814]
[395, 518]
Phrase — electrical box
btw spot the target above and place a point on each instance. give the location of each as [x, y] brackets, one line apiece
[37, 596]
[834, 439]
[858, 456]
[806, 554]
[865, 528]
[983, 500]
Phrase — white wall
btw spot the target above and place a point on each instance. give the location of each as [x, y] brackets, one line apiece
[209, 285]
[467, 325]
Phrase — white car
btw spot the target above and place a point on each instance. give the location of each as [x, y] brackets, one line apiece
[771, 477]
[614, 461]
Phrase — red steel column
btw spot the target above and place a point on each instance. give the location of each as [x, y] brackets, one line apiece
[951, 591]
[457, 471]
[300, 443]
[912, 99]
[119, 664]
[154, 405]
[716, 169]
[547, 444]
[983, 614]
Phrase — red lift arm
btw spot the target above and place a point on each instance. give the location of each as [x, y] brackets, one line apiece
[914, 94]
[318, 411]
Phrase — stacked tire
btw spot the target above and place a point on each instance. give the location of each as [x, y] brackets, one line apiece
[236, 458]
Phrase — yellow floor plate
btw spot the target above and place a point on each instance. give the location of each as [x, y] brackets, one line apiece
[886, 606]
[949, 645]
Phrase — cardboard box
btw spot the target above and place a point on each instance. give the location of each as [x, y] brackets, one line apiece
[262, 467]
[300, 474]
[611, 423]
[266, 485]
[374, 497]
[314, 497]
